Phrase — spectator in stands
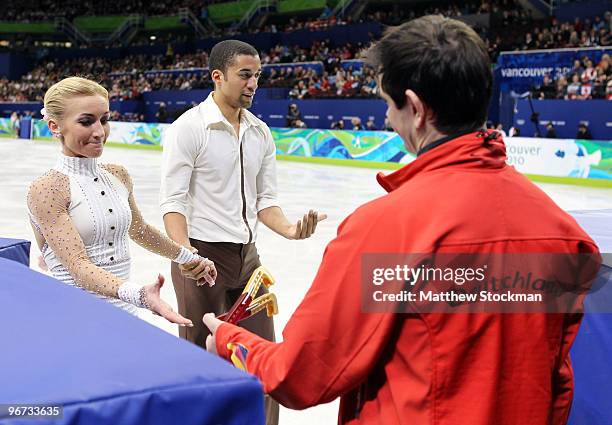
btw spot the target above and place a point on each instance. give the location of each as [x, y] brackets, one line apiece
[350, 87]
[369, 86]
[586, 88]
[387, 125]
[514, 132]
[598, 23]
[573, 89]
[551, 132]
[370, 124]
[325, 86]
[500, 129]
[561, 88]
[577, 69]
[299, 91]
[356, 123]
[547, 89]
[15, 123]
[599, 85]
[162, 113]
[338, 125]
[604, 65]
[583, 132]
[293, 114]
[529, 42]
[589, 72]
[299, 124]
[574, 40]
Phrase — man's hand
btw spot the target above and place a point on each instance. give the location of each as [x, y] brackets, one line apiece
[305, 227]
[274, 218]
[201, 270]
[212, 323]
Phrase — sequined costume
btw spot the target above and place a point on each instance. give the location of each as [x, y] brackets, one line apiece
[83, 212]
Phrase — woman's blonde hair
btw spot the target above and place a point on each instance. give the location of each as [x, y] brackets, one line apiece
[59, 93]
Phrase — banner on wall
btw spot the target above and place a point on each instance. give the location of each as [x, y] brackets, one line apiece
[6, 128]
[560, 157]
[130, 133]
[545, 157]
[137, 133]
[521, 71]
[380, 146]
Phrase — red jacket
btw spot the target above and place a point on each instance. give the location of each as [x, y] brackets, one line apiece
[472, 369]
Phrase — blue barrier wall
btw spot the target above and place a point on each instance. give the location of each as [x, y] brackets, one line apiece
[321, 113]
[315, 113]
[131, 106]
[176, 101]
[566, 115]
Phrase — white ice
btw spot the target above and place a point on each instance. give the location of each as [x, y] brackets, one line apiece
[334, 190]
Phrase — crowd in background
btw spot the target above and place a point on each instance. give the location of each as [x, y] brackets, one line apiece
[126, 78]
[518, 31]
[584, 81]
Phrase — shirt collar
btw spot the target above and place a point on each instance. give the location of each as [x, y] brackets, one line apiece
[77, 166]
[441, 141]
[211, 114]
[477, 151]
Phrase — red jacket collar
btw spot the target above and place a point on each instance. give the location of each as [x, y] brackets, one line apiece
[478, 150]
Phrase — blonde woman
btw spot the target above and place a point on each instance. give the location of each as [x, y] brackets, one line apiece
[82, 212]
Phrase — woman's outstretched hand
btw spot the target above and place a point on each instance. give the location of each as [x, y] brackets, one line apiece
[160, 307]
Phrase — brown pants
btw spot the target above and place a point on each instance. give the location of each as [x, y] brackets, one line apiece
[235, 263]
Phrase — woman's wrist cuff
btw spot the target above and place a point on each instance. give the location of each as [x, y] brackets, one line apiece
[133, 294]
[185, 256]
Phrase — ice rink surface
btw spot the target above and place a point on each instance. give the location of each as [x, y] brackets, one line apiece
[334, 190]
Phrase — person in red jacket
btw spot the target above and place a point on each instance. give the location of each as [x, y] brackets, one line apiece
[457, 196]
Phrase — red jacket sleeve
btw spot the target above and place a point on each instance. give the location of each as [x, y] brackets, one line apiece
[563, 382]
[329, 345]
[563, 378]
